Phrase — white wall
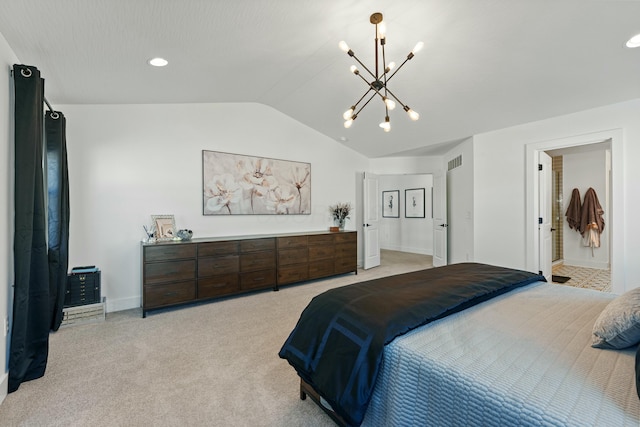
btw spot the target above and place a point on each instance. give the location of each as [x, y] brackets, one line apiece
[127, 162]
[405, 165]
[7, 59]
[500, 196]
[407, 234]
[581, 171]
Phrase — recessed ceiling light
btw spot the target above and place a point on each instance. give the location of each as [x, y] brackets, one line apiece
[158, 62]
[634, 41]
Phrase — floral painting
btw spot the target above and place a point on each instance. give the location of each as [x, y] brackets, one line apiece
[234, 184]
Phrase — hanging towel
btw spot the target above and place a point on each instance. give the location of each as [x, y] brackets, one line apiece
[574, 211]
[591, 221]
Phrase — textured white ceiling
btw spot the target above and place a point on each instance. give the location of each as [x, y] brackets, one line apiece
[486, 64]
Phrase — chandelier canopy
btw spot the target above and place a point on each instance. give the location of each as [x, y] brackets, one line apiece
[378, 86]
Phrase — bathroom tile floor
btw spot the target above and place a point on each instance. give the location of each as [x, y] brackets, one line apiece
[581, 277]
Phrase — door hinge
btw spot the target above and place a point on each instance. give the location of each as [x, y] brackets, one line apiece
[539, 166]
[539, 220]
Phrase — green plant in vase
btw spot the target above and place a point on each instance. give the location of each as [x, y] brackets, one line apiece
[340, 212]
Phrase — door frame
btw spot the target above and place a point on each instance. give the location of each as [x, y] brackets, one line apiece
[544, 212]
[616, 216]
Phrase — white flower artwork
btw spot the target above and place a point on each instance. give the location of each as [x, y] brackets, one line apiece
[235, 184]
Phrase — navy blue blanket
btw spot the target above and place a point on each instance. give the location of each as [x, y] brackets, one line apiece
[338, 342]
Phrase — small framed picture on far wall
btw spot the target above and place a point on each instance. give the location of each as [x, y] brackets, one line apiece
[414, 203]
[391, 204]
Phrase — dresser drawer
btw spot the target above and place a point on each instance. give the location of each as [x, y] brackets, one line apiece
[321, 239]
[346, 238]
[217, 248]
[292, 256]
[292, 242]
[292, 274]
[168, 294]
[214, 286]
[218, 265]
[258, 279]
[257, 261]
[169, 252]
[252, 245]
[345, 250]
[169, 271]
[321, 252]
[321, 268]
[345, 265]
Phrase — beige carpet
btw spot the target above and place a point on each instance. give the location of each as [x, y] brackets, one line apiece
[581, 277]
[212, 364]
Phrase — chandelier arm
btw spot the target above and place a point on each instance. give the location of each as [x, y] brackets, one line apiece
[398, 69]
[363, 66]
[362, 97]
[396, 98]
[384, 66]
[365, 104]
[365, 80]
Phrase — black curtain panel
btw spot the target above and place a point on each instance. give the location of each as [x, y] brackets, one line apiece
[58, 208]
[31, 308]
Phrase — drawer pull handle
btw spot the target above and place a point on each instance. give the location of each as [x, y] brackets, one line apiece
[170, 294]
[258, 279]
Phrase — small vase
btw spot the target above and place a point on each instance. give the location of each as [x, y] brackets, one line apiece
[340, 223]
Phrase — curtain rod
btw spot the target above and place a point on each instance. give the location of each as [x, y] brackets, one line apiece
[48, 105]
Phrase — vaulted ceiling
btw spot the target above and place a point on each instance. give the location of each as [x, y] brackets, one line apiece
[486, 64]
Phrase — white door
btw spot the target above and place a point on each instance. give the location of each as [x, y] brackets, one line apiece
[545, 219]
[440, 219]
[371, 218]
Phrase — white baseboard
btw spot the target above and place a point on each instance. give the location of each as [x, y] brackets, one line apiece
[122, 304]
[4, 387]
[587, 264]
[408, 249]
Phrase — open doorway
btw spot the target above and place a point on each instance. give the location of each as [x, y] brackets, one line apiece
[577, 169]
[406, 221]
[612, 193]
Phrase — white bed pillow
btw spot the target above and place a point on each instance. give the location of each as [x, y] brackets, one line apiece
[618, 326]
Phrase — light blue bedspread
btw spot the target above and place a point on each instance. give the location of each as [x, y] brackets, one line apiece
[521, 359]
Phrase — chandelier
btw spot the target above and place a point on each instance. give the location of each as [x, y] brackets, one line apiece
[380, 78]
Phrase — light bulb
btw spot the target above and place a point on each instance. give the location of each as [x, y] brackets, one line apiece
[389, 103]
[413, 115]
[382, 30]
[386, 126]
[418, 47]
[390, 66]
[347, 114]
[354, 70]
[343, 46]
[348, 123]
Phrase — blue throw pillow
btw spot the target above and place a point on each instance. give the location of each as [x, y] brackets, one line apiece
[618, 326]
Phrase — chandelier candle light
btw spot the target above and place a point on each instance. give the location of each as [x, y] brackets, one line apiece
[380, 79]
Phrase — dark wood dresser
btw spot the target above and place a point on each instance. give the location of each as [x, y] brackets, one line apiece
[177, 272]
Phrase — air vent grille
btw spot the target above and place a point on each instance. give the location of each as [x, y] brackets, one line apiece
[455, 162]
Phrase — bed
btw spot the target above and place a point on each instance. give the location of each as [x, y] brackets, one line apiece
[515, 354]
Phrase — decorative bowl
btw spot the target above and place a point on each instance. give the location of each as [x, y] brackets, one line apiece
[184, 234]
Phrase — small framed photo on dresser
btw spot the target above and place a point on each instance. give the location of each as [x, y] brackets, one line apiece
[164, 226]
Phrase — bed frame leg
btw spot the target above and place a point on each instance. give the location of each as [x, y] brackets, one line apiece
[306, 389]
